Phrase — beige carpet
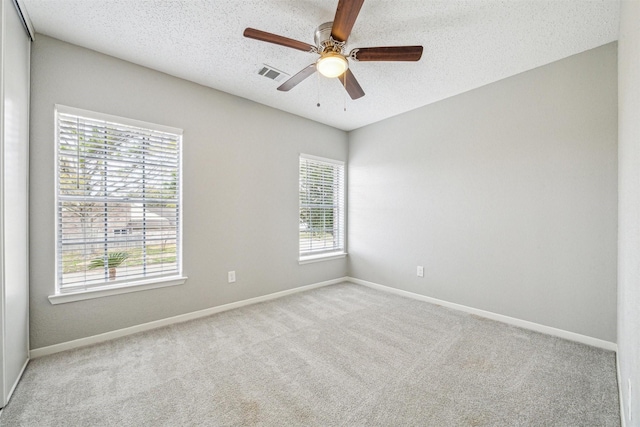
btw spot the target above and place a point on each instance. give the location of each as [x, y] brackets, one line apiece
[342, 355]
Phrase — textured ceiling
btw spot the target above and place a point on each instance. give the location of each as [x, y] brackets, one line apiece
[467, 44]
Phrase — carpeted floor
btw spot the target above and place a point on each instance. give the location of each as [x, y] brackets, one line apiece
[342, 355]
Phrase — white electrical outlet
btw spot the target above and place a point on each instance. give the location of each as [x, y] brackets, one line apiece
[420, 271]
[231, 276]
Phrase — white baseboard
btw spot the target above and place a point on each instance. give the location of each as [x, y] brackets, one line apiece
[82, 342]
[56, 348]
[572, 336]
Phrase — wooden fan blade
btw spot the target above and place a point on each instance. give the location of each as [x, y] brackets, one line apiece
[348, 80]
[346, 15]
[252, 33]
[293, 81]
[393, 53]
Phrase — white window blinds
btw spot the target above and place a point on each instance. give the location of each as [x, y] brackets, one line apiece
[321, 202]
[118, 200]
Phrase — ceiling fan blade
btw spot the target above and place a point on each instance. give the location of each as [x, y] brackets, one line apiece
[348, 80]
[393, 53]
[252, 33]
[293, 81]
[346, 15]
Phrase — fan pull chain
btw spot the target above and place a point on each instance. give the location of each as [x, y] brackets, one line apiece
[318, 89]
[344, 94]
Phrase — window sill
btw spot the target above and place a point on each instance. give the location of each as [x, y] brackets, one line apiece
[322, 257]
[141, 285]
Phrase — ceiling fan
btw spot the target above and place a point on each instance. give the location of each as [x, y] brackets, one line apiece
[330, 39]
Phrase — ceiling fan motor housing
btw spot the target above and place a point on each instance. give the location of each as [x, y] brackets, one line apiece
[324, 41]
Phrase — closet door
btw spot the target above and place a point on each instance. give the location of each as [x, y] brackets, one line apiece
[14, 213]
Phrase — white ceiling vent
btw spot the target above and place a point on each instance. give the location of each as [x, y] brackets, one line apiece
[271, 73]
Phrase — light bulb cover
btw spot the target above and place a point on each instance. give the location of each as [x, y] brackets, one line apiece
[332, 64]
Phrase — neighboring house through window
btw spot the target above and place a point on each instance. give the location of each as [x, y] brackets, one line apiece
[322, 208]
[118, 202]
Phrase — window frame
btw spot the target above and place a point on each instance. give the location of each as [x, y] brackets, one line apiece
[122, 286]
[339, 252]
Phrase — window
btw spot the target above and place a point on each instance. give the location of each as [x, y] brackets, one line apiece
[118, 201]
[321, 200]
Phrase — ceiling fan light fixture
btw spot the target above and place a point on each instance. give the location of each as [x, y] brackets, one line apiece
[332, 64]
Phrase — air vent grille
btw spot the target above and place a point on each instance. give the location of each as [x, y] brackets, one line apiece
[272, 73]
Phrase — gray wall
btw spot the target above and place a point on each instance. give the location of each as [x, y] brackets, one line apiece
[629, 209]
[506, 194]
[240, 189]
